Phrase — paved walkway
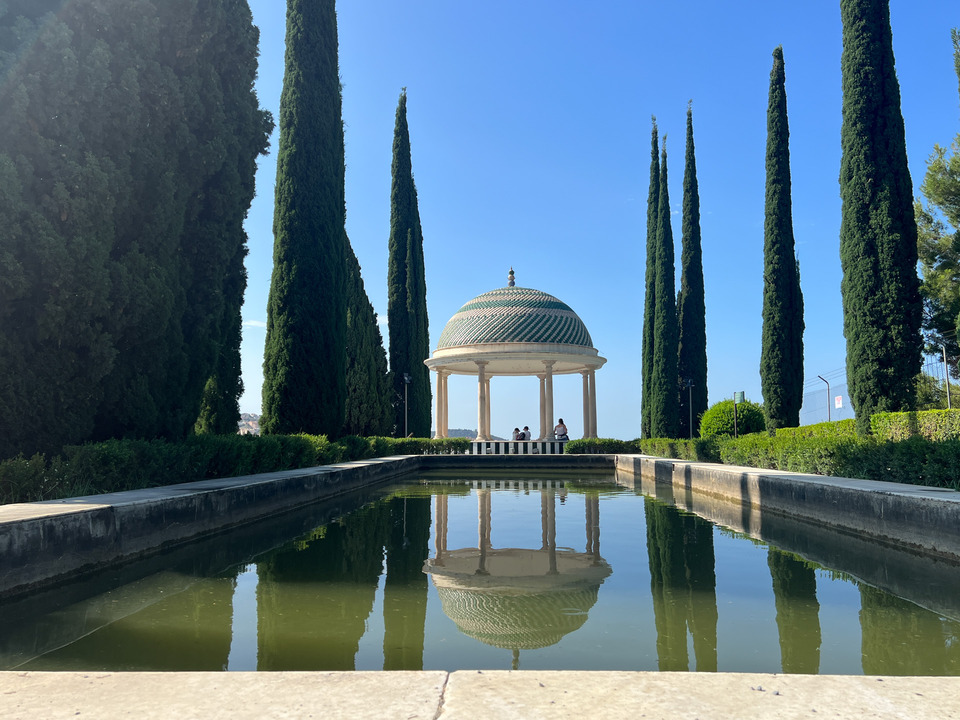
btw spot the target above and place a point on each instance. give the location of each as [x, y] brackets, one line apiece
[472, 694]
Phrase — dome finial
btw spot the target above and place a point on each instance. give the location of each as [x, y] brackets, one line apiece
[510, 282]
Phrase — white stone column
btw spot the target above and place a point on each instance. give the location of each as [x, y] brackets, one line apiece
[593, 403]
[489, 403]
[586, 402]
[543, 408]
[481, 401]
[446, 404]
[439, 413]
[549, 399]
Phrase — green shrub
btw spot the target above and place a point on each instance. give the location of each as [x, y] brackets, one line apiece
[23, 480]
[449, 446]
[819, 455]
[355, 448]
[599, 446]
[381, 446]
[719, 419]
[931, 424]
[696, 450]
[836, 428]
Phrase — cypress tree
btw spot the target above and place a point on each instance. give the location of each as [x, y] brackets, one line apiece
[650, 292]
[407, 290]
[220, 404]
[781, 358]
[691, 305]
[129, 132]
[369, 411]
[878, 231]
[664, 396]
[304, 367]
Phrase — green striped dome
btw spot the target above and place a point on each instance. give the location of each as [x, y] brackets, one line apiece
[514, 315]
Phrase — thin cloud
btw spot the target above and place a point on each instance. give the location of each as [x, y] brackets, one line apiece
[254, 323]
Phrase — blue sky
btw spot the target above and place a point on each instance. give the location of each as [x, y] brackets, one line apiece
[530, 134]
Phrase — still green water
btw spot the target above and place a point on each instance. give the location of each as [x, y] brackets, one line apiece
[497, 572]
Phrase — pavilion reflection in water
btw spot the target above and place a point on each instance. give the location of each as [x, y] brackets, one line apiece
[518, 598]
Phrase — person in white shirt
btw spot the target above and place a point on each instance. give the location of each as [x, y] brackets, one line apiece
[560, 431]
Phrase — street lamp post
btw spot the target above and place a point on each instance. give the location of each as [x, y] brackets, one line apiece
[406, 383]
[828, 396]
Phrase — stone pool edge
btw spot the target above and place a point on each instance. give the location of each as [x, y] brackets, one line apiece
[916, 517]
[50, 542]
[53, 541]
[473, 694]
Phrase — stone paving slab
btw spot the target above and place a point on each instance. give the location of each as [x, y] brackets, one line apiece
[473, 694]
[220, 696]
[684, 696]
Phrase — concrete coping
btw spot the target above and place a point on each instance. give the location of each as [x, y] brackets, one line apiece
[492, 695]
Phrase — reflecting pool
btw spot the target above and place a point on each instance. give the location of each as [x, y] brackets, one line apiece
[566, 572]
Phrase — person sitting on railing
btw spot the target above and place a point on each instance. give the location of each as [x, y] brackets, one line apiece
[560, 431]
[525, 433]
[517, 435]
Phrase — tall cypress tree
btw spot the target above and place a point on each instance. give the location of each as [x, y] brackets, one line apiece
[129, 132]
[220, 405]
[781, 357]
[369, 410]
[650, 287]
[664, 408]
[304, 367]
[691, 305]
[407, 290]
[878, 231]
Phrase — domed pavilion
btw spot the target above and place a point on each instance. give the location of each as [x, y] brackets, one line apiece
[521, 332]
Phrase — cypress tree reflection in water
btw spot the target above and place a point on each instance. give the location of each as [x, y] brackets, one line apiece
[405, 588]
[314, 598]
[188, 631]
[798, 612]
[683, 584]
[901, 638]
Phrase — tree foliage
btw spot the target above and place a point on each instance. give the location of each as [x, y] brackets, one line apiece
[650, 291]
[719, 419]
[939, 244]
[781, 357]
[305, 360]
[664, 395]
[369, 410]
[407, 290]
[128, 136]
[691, 303]
[878, 231]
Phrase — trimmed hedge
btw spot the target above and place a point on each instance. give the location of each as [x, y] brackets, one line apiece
[601, 446]
[931, 456]
[916, 460]
[117, 465]
[698, 449]
[930, 424]
[837, 428]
